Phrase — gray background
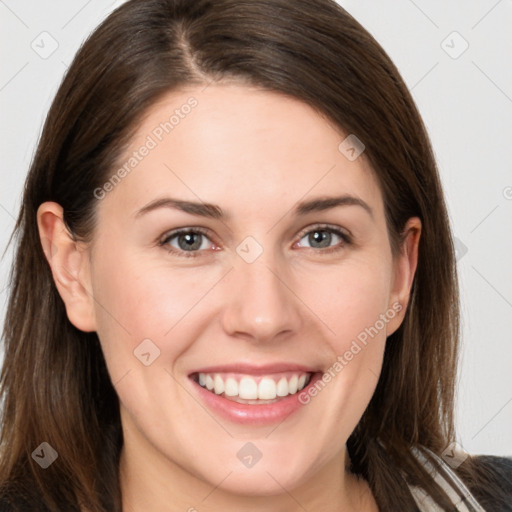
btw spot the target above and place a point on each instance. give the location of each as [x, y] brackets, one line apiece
[465, 97]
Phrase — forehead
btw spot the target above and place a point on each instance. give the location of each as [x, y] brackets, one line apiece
[236, 145]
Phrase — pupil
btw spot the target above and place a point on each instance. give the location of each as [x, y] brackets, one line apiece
[323, 238]
[189, 241]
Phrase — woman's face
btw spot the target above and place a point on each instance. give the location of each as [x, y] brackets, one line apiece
[285, 270]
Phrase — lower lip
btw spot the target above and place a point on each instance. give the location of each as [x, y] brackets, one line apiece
[246, 414]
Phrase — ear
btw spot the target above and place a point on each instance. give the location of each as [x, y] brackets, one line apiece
[69, 263]
[404, 269]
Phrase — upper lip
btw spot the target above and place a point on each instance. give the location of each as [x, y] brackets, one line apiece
[251, 369]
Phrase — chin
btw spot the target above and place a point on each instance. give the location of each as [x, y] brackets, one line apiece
[261, 483]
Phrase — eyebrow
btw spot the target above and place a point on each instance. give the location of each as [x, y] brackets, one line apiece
[215, 212]
[201, 209]
[326, 203]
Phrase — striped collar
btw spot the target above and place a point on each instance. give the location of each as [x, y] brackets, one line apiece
[461, 497]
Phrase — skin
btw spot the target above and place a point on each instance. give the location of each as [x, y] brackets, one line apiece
[255, 154]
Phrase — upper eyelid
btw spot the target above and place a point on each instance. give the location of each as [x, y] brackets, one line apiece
[179, 231]
[325, 227]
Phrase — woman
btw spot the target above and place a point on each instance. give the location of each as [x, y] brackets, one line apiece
[235, 283]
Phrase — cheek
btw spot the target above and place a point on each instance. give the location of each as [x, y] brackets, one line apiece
[352, 303]
[136, 301]
[348, 298]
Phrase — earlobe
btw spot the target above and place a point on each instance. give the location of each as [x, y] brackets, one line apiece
[404, 271]
[69, 264]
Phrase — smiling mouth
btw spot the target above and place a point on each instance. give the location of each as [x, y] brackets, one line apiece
[253, 390]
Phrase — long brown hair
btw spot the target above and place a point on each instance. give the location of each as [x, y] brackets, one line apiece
[54, 383]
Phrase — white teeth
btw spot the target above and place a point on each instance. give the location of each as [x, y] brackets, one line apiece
[218, 385]
[266, 389]
[230, 387]
[282, 387]
[292, 384]
[249, 389]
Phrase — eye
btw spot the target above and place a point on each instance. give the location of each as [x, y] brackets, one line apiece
[324, 237]
[183, 241]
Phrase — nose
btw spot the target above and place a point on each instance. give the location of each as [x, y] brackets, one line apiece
[261, 304]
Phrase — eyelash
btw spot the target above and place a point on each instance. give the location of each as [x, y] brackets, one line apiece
[346, 239]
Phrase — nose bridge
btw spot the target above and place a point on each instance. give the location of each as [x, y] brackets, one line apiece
[260, 305]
